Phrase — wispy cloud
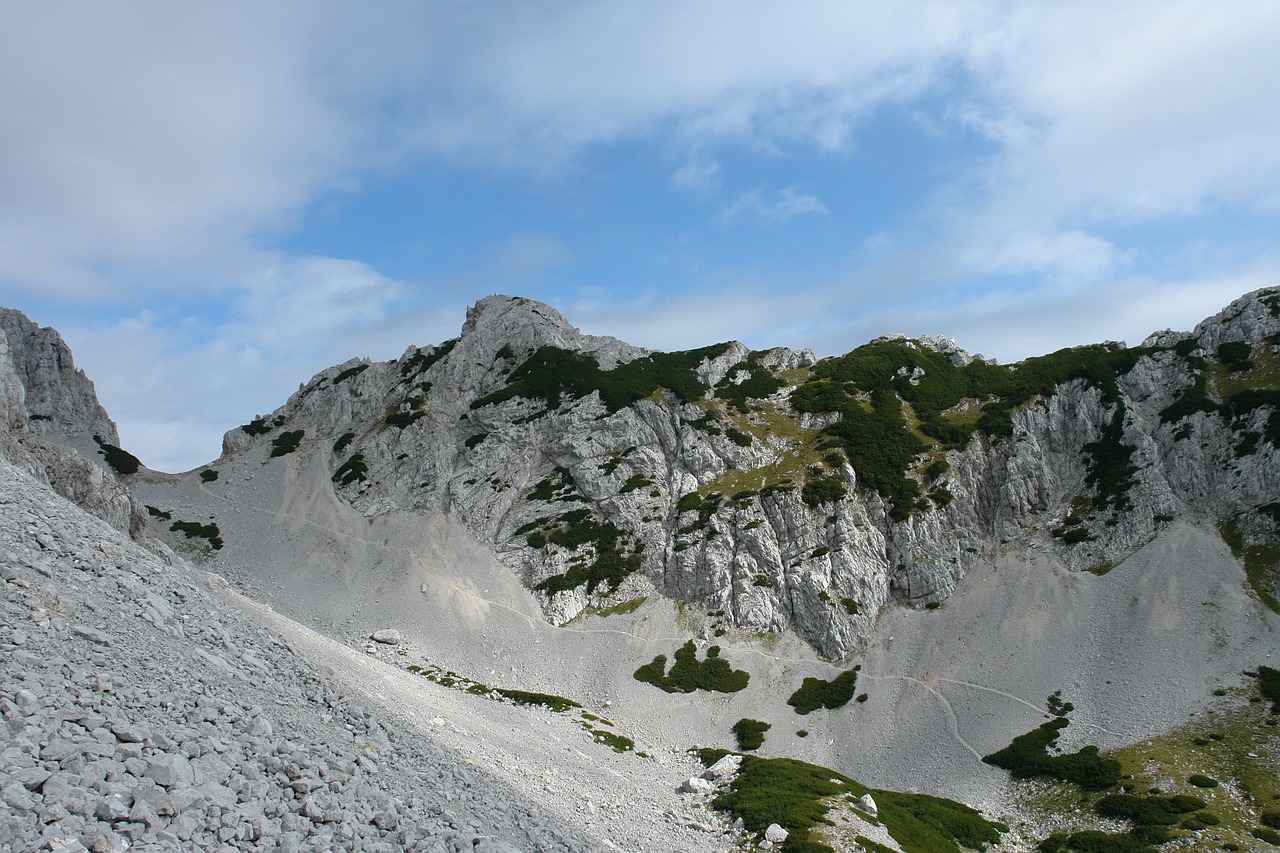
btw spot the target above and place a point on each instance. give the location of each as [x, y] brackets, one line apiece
[790, 203]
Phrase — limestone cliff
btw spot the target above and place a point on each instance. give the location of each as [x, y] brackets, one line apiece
[50, 420]
[780, 492]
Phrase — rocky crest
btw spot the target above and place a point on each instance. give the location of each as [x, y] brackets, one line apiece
[785, 493]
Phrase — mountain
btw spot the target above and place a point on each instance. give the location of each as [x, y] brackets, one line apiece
[788, 493]
[946, 540]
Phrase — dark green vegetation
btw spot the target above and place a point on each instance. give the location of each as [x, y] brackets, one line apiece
[1261, 562]
[815, 693]
[196, 530]
[559, 704]
[758, 385]
[608, 566]
[208, 475]
[689, 674]
[822, 490]
[421, 361]
[343, 440]
[403, 419]
[1269, 686]
[593, 724]
[350, 372]
[1202, 781]
[551, 374]
[1028, 755]
[750, 733]
[286, 442]
[261, 426]
[351, 471]
[156, 512]
[795, 795]
[121, 461]
[870, 385]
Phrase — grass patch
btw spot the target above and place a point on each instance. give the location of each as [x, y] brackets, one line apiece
[815, 693]
[797, 796]
[688, 674]
[750, 733]
[559, 704]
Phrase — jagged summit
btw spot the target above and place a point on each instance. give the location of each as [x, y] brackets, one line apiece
[524, 325]
[59, 399]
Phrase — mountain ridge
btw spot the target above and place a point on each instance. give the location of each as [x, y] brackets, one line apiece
[739, 480]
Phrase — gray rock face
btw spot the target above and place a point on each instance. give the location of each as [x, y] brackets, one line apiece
[49, 413]
[58, 397]
[587, 498]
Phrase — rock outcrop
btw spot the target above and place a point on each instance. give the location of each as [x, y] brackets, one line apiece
[783, 493]
[53, 422]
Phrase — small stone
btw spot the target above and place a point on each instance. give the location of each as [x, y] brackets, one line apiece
[697, 785]
[93, 635]
[170, 770]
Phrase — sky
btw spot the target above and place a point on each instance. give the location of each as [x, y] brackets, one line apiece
[212, 202]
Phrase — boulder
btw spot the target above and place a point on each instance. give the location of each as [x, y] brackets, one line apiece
[389, 636]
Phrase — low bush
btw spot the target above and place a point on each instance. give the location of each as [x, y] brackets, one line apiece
[1201, 781]
[689, 674]
[558, 704]
[208, 475]
[286, 442]
[1148, 810]
[1028, 757]
[121, 461]
[342, 442]
[815, 693]
[750, 733]
[196, 530]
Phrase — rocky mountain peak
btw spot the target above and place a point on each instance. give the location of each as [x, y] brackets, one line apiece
[59, 399]
[515, 324]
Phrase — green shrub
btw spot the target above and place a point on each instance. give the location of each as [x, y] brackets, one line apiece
[1028, 757]
[1201, 781]
[196, 530]
[1148, 810]
[760, 384]
[474, 441]
[763, 581]
[286, 442]
[1268, 835]
[609, 565]
[815, 693]
[401, 420]
[689, 674]
[343, 440]
[420, 361]
[350, 372]
[1271, 819]
[208, 475]
[850, 606]
[353, 470]
[635, 481]
[552, 373]
[750, 733]
[1199, 821]
[558, 704]
[796, 796]
[1236, 354]
[823, 490]
[737, 436]
[156, 512]
[121, 461]
[1093, 841]
[1269, 684]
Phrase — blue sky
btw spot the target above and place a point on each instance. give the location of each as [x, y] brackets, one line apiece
[212, 202]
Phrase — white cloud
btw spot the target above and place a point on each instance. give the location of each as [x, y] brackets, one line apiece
[791, 203]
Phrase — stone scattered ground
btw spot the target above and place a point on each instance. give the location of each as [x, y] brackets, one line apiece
[147, 707]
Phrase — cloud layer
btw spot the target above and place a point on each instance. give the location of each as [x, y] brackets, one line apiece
[164, 168]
